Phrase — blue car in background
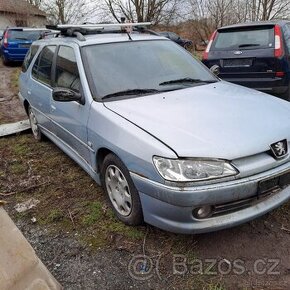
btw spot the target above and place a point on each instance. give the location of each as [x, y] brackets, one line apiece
[253, 54]
[16, 41]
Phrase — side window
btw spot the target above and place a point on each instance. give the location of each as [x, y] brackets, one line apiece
[67, 74]
[29, 57]
[42, 66]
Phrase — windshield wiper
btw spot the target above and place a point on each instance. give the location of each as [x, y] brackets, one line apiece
[130, 92]
[249, 44]
[186, 80]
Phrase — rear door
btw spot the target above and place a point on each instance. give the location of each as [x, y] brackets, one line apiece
[245, 52]
[40, 87]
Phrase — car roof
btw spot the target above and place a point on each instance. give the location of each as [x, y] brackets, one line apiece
[101, 38]
[256, 23]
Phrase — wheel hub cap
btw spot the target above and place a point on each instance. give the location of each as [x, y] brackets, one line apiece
[118, 190]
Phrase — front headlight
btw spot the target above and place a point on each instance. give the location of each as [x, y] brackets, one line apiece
[186, 170]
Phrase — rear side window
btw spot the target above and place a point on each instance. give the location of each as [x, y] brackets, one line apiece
[29, 57]
[43, 64]
[244, 38]
[67, 74]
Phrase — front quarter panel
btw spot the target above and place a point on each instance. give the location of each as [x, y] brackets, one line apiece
[131, 144]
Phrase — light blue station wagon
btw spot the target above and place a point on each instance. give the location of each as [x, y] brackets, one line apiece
[171, 144]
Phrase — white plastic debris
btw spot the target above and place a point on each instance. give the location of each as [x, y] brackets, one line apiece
[24, 206]
[13, 128]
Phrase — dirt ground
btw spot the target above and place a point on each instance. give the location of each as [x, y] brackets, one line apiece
[76, 235]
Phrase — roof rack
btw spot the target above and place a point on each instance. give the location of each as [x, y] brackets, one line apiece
[61, 26]
[86, 29]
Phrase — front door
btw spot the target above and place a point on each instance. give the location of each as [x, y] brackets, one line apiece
[70, 118]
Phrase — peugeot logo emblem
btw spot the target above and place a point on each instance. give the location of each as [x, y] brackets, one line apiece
[280, 148]
[238, 52]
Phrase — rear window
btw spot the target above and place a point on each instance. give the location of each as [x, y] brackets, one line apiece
[247, 38]
[23, 34]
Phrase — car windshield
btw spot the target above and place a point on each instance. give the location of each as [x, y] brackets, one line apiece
[142, 67]
[244, 38]
[23, 34]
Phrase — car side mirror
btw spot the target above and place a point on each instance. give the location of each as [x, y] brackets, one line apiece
[215, 69]
[67, 95]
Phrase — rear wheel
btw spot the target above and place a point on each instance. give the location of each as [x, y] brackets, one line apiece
[4, 60]
[34, 125]
[121, 191]
[286, 96]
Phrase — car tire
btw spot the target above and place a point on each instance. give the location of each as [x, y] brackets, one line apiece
[34, 125]
[4, 60]
[286, 96]
[121, 191]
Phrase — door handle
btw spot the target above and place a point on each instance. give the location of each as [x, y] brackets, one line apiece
[29, 92]
[53, 108]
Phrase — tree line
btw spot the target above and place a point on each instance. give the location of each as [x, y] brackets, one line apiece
[206, 14]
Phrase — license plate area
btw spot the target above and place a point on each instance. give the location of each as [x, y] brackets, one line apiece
[24, 45]
[274, 183]
[237, 62]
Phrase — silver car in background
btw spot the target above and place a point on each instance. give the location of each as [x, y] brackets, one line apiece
[171, 144]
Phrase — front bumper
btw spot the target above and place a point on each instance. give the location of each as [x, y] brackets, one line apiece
[170, 208]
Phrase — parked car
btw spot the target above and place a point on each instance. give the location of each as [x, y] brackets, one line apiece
[186, 43]
[172, 144]
[16, 42]
[255, 55]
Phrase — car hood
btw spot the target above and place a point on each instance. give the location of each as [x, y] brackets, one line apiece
[219, 120]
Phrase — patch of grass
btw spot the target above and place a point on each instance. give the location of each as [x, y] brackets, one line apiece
[118, 227]
[17, 168]
[94, 215]
[54, 215]
[14, 79]
[20, 149]
[68, 188]
[96, 241]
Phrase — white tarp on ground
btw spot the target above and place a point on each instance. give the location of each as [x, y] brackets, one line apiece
[20, 268]
[13, 128]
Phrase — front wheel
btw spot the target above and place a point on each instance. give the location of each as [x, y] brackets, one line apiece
[121, 191]
[34, 125]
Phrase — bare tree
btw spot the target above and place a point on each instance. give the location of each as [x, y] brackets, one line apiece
[211, 14]
[155, 11]
[36, 3]
[66, 11]
[268, 9]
